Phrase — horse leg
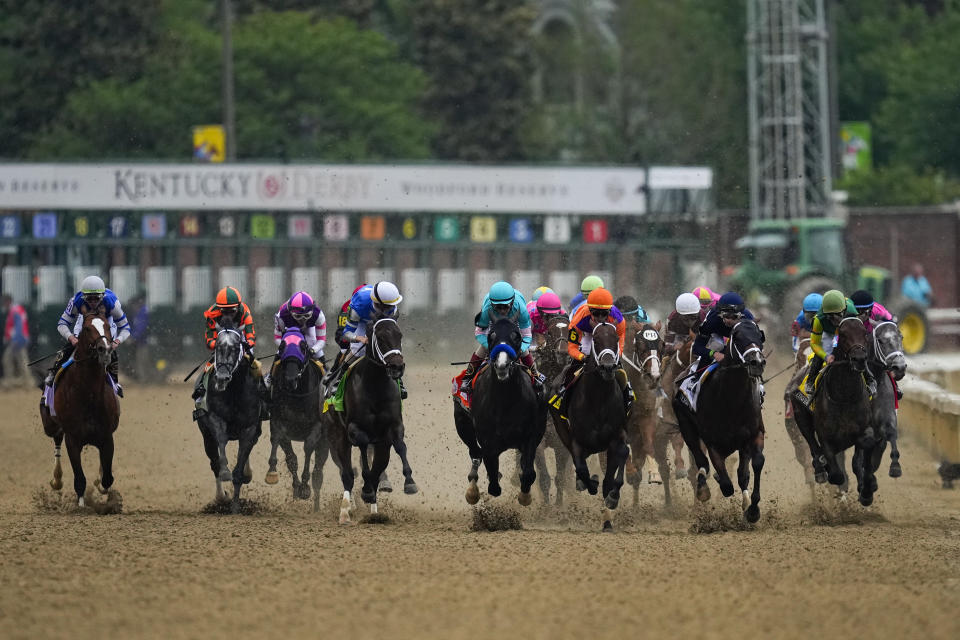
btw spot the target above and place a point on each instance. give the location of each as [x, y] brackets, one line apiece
[381, 457]
[679, 464]
[79, 480]
[583, 471]
[835, 466]
[723, 478]
[106, 463]
[804, 422]
[517, 467]
[57, 483]
[800, 449]
[686, 422]
[752, 514]
[293, 465]
[383, 483]
[561, 458]
[890, 432]
[660, 443]
[491, 462]
[528, 474]
[617, 454]
[473, 492]
[400, 446]
[340, 452]
[305, 477]
[321, 449]
[272, 476]
[543, 475]
[245, 446]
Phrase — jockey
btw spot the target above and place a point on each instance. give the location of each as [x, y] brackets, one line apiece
[869, 311]
[228, 305]
[708, 299]
[833, 310]
[301, 312]
[686, 317]
[802, 326]
[717, 326]
[598, 308]
[631, 310]
[368, 304]
[589, 284]
[93, 295]
[539, 291]
[542, 310]
[503, 301]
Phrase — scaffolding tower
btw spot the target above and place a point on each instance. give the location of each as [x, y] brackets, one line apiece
[789, 95]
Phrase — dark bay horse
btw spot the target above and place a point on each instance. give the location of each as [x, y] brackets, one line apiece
[372, 416]
[842, 416]
[642, 359]
[232, 412]
[728, 418]
[668, 428]
[506, 413]
[85, 409]
[295, 415]
[595, 419]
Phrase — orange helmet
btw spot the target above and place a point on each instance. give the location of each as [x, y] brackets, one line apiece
[228, 297]
[600, 298]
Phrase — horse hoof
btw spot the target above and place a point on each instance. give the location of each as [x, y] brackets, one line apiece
[873, 484]
[473, 494]
[81, 503]
[56, 484]
[866, 499]
[494, 490]
[746, 501]
[820, 477]
[612, 500]
[410, 488]
[703, 491]
[680, 474]
[524, 499]
[607, 526]
[235, 507]
[752, 514]
[726, 488]
[634, 479]
[385, 486]
[272, 477]
[225, 475]
[836, 478]
[368, 497]
[303, 493]
[344, 518]
[895, 470]
[580, 485]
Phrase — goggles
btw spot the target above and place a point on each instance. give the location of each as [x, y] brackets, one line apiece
[301, 315]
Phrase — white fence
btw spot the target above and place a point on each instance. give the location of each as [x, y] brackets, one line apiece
[16, 283]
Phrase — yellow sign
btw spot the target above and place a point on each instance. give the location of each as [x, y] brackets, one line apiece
[483, 229]
[209, 143]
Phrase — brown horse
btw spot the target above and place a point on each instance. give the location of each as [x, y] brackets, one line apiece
[668, 430]
[84, 408]
[800, 449]
[642, 359]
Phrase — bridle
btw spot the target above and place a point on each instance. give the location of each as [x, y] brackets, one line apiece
[378, 355]
[649, 336]
[857, 347]
[885, 358]
[735, 350]
[599, 354]
[217, 365]
[91, 353]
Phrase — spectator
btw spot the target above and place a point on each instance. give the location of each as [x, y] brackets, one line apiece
[16, 339]
[916, 287]
[139, 334]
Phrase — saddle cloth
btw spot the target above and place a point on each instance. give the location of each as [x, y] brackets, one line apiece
[49, 392]
[691, 385]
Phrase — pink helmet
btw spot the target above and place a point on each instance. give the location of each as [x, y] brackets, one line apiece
[300, 301]
[706, 296]
[549, 302]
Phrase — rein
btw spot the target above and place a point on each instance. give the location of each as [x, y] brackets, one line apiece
[599, 354]
[380, 357]
[216, 361]
[884, 358]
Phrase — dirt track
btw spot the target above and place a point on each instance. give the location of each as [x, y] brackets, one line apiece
[164, 569]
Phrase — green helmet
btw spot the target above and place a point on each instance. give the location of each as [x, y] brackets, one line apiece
[834, 302]
[590, 283]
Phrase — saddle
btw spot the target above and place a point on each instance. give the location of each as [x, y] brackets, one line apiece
[691, 385]
[335, 399]
[561, 399]
[48, 392]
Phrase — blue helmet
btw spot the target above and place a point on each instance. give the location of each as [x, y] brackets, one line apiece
[812, 302]
[501, 293]
[731, 301]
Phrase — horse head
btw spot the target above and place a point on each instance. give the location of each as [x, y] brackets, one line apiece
[504, 341]
[292, 356]
[746, 347]
[606, 349]
[887, 348]
[94, 339]
[227, 355]
[554, 354]
[852, 343]
[646, 351]
[385, 346]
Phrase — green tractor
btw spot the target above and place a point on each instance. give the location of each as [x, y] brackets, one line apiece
[784, 260]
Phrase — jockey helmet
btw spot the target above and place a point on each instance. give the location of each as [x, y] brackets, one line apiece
[385, 297]
[705, 296]
[641, 314]
[549, 302]
[600, 298]
[862, 300]
[590, 283]
[539, 291]
[730, 302]
[301, 306]
[92, 289]
[687, 304]
[834, 302]
[502, 293]
[228, 298]
[812, 302]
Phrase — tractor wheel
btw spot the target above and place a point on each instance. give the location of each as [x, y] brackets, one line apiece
[913, 326]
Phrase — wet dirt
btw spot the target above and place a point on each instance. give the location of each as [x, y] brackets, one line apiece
[172, 563]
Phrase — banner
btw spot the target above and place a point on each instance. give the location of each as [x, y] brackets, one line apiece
[420, 188]
[855, 138]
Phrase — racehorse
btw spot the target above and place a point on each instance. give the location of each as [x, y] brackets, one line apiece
[506, 413]
[295, 415]
[886, 359]
[642, 357]
[668, 429]
[595, 419]
[800, 448]
[728, 418]
[372, 416]
[84, 409]
[842, 416]
[232, 411]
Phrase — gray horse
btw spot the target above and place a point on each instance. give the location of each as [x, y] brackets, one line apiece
[887, 363]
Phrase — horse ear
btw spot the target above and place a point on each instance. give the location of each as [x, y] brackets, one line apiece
[657, 326]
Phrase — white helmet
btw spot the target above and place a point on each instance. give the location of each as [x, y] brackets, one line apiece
[688, 304]
[386, 294]
[92, 284]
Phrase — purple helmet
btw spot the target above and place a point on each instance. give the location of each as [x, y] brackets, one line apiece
[301, 306]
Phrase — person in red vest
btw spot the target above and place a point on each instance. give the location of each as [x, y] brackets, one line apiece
[16, 339]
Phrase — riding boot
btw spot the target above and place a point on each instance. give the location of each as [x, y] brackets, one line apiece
[62, 357]
[403, 389]
[468, 374]
[199, 390]
[871, 381]
[627, 390]
[815, 365]
[114, 370]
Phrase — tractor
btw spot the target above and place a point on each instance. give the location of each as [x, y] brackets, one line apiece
[784, 260]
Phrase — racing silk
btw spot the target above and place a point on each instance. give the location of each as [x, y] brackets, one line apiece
[314, 330]
[213, 316]
[713, 325]
[822, 325]
[360, 313]
[538, 322]
[518, 313]
[580, 339]
[71, 321]
[16, 331]
[878, 314]
[678, 329]
[577, 302]
[799, 330]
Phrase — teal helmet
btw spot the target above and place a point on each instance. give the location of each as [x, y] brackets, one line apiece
[812, 302]
[502, 293]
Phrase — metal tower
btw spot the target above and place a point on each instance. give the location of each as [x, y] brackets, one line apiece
[790, 141]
